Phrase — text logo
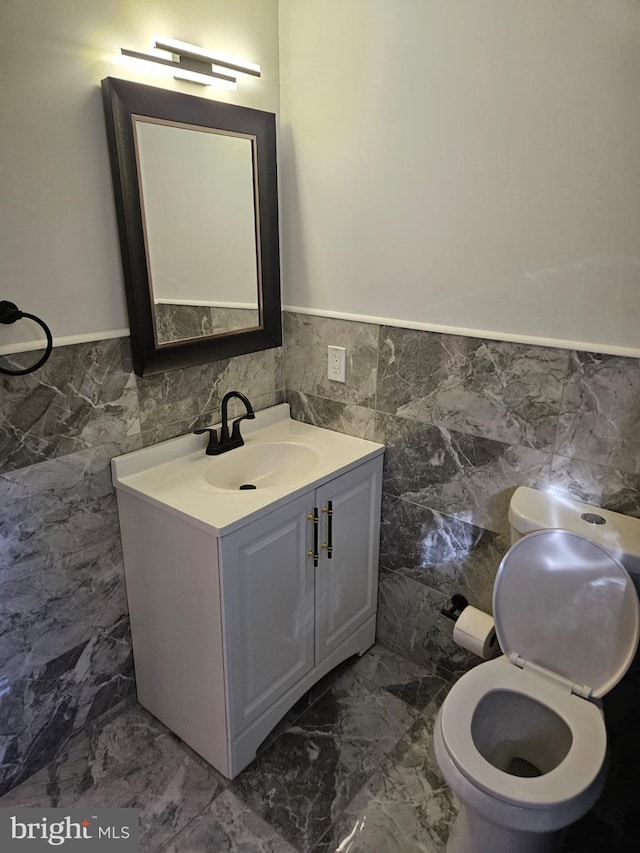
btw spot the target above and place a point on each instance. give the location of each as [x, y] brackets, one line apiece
[86, 830]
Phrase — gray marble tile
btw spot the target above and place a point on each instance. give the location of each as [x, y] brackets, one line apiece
[405, 806]
[380, 667]
[380, 820]
[600, 415]
[306, 339]
[303, 704]
[46, 707]
[310, 773]
[421, 692]
[414, 684]
[410, 622]
[47, 612]
[183, 395]
[58, 507]
[330, 414]
[383, 667]
[412, 365]
[85, 395]
[133, 762]
[228, 826]
[595, 484]
[506, 391]
[163, 432]
[179, 395]
[254, 375]
[465, 476]
[447, 554]
[278, 368]
[412, 769]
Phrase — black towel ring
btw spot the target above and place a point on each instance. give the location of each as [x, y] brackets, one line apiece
[10, 313]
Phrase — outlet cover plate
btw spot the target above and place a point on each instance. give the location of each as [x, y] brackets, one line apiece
[337, 363]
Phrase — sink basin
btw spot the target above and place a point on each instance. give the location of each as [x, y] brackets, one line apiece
[261, 466]
[281, 459]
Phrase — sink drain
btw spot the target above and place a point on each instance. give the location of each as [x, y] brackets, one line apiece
[245, 486]
[593, 518]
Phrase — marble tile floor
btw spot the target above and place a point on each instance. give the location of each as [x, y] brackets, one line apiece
[349, 769]
[352, 758]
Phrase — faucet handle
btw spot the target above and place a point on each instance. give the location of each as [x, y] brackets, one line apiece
[213, 439]
[235, 428]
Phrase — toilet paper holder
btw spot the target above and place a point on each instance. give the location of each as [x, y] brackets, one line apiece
[457, 605]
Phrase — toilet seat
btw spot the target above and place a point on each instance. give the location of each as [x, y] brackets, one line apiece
[564, 603]
[573, 774]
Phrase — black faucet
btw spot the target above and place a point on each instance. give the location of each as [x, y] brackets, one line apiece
[226, 441]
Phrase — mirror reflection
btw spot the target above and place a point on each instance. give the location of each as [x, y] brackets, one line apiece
[200, 212]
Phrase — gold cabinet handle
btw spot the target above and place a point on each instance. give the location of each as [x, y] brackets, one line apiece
[329, 545]
[313, 516]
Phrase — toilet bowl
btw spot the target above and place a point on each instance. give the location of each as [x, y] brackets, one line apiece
[521, 739]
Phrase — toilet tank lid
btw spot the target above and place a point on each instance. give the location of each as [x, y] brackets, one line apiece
[531, 509]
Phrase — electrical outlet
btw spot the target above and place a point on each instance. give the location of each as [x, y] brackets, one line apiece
[337, 364]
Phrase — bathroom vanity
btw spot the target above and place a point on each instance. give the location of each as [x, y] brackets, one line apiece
[242, 598]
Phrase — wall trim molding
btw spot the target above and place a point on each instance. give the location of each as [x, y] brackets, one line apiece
[64, 341]
[585, 346]
[558, 343]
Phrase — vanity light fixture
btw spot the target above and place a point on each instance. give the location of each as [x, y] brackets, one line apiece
[180, 72]
[194, 63]
[192, 51]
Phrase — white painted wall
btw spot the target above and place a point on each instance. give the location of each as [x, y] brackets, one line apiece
[445, 163]
[465, 165]
[59, 252]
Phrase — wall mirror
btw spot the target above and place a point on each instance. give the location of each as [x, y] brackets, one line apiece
[196, 201]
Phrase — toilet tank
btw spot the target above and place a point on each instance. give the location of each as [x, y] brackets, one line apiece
[531, 510]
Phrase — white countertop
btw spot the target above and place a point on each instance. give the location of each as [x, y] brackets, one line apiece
[174, 474]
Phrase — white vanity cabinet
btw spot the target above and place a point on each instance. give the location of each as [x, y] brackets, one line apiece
[284, 616]
[230, 627]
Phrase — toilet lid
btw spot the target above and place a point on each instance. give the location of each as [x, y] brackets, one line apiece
[563, 602]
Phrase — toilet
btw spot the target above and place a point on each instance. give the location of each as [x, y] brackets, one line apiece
[521, 739]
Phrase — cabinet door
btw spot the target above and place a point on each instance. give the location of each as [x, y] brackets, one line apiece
[268, 609]
[347, 581]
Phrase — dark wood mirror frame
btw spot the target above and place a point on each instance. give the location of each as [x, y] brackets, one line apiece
[123, 99]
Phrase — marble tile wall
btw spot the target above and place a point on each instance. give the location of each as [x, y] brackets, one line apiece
[465, 421]
[65, 653]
